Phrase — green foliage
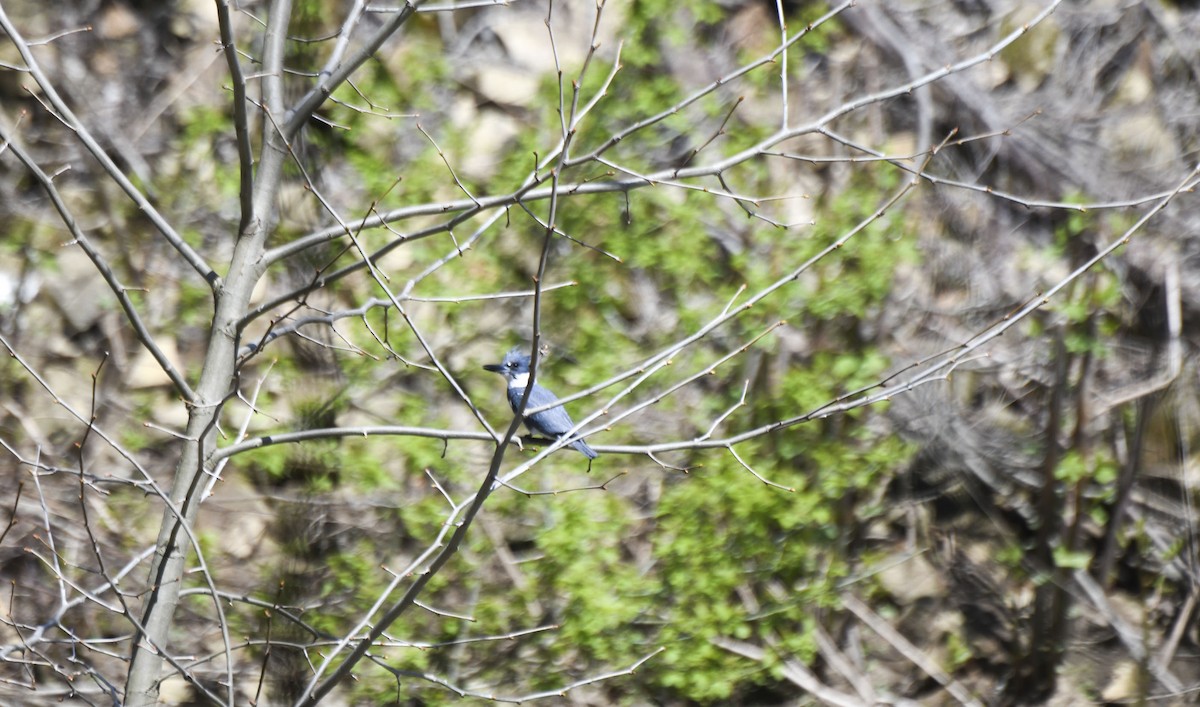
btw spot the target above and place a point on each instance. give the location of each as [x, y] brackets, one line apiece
[1073, 468]
[136, 438]
[659, 559]
[730, 556]
[958, 652]
[202, 128]
[1099, 470]
[1094, 307]
[1071, 560]
[204, 123]
[820, 40]
[646, 29]
[720, 536]
[713, 547]
[195, 304]
[583, 542]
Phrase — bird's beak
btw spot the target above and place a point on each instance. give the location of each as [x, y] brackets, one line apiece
[494, 368]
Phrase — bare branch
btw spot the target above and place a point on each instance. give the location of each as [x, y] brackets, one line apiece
[102, 266]
[64, 113]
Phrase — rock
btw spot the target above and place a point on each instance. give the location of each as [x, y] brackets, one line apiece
[144, 372]
[116, 22]
[78, 290]
[1033, 58]
[1126, 683]
[909, 578]
[195, 19]
[505, 85]
[175, 690]
[488, 142]
[1140, 139]
[527, 42]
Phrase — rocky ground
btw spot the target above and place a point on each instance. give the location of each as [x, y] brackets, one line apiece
[1037, 546]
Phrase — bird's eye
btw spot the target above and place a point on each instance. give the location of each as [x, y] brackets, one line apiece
[512, 364]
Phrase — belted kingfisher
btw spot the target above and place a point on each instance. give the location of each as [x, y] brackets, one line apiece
[552, 423]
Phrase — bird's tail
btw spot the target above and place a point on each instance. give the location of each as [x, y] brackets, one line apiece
[587, 451]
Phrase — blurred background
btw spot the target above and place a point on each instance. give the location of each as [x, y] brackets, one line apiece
[1018, 528]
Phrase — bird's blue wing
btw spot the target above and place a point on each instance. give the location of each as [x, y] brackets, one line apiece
[539, 397]
[552, 422]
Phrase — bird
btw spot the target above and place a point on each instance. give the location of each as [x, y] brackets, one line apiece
[552, 423]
